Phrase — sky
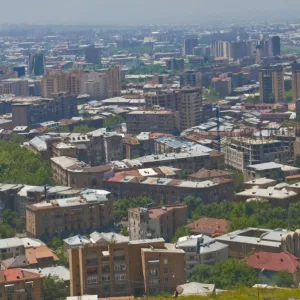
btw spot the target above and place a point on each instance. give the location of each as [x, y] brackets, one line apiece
[132, 12]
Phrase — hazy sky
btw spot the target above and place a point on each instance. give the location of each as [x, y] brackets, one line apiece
[142, 11]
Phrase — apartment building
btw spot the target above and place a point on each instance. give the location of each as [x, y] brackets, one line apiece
[241, 152]
[69, 171]
[296, 81]
[156, 222]
[201, 249]
[34, 110]
[168, 190]
[244, 242]
[271, 84]
[191, 159]
[15, 86]
[58, 81]
[156, 120]
[18, 284]
[119, 268]
[91, 210]
[223, 86]
[169, 99]
[190, 107]
[190, 78]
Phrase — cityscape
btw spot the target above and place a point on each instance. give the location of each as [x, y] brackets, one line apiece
[158, 158]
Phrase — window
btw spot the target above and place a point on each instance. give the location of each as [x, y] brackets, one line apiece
[165, 261]
[166, 280]
[166, 270]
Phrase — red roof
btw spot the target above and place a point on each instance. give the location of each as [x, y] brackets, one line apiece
[293, 176]
[11, 275]
[282, 261]
[209, 226]
[155, 213]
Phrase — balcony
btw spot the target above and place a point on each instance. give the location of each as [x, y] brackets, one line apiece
[91, 262]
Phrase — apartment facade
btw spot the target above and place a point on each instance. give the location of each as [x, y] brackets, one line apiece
[241, 152]
[169, 191]
[271, 84]
[168, 99]
[18, 284]
[125, 268]
[190, 107]
[39, 110]
[162, 121]
[156, 222]
[296, 81]
[91, 210]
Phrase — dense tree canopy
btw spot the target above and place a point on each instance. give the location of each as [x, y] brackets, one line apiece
[112, 121]
[229, 274]
[241, 215]
[121, 207]
[57, 245]
[180, 232]
[20, 165]
[54, 288]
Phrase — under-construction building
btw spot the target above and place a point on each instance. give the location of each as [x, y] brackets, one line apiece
[242, 151]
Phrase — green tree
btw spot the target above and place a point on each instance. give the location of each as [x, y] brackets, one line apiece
[20, 165]
[283, 279]
[297, 161]
[121, 207]
[193, 204]
[289, 96]
[54, 288]
[112, 121]
[229, 274]
[185, 173]
[83, 128]
[13, 220]
[180, 232]
[294, 216]
[211, 94]
[57, 245]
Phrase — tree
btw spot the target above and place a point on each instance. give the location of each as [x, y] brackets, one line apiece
[289, 95]
[294, 216]
[20, 165]
[83, 128]
[54, 288]
[283, 279]
[211, 94]
[124, 231]
[57, 245]
[185, 173]
[192, 204]
[180, 232]
[229, 274]
[121, 207]
[297, 161]
[112, 121]
[13, 220]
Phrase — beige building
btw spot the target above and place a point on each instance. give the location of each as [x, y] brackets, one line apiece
[92, 210]
[117, 268]
[15, 86]
[156, 222]
[296, 81]
[18, 284]
[190, 107]
[69, 171]
[53, 82]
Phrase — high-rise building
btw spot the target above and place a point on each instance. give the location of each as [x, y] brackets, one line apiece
[93, 54]
[58, 81]
[168, 99]
[189, 45]
[190, 107]
[276, 45]
[265, 48]
[271, 84]
[296, 81]
[95, 84]
[36, 63]
[114, 81]
[239, 50]
[16, 86]
[190, 77]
